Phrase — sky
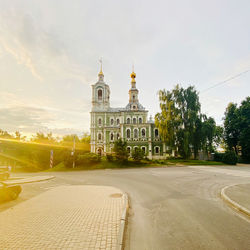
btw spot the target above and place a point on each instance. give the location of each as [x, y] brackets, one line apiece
[50, 51]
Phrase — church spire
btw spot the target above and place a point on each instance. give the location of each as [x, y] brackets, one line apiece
[101, 75]
[133, 76]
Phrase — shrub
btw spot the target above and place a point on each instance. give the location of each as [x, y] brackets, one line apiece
[109, 157]
[137, 155]
[88, 158]
[230, 158]
[218, 156]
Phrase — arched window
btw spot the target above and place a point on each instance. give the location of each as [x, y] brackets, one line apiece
[112, 121]
[99, 121]
[99, 136]
[136, 133]
[118, 121]
[140, 120]
[157, 150]
[134, 107]
[111, 136]
[118, 136]
[133, 98]
[156, 132]
[128, 133]
[134, 120]
[99, 94]
[128, 149]
[143, 150]
[128, 120]
[143, 132]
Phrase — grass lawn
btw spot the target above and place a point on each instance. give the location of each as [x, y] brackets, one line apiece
[148, 164]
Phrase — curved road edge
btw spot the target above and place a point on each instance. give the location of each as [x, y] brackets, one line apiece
[232, 203]
[123, 223]
[26, 180]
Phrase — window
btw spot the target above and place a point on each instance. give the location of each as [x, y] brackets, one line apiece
[143, 132]
[99, 94]
[157, 150]
[128, 120]
[140, 120]
[118, 121]
[143, 150]
[156, 132]
[112, 121]
[128, 149]
[134, 107]
[111, 136]
[133, 98]
[100, 121]
[134, 120]
[128, 133]
[118, 136]
[99, 136]
[135, 133]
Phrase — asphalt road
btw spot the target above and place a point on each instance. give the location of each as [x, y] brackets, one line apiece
[170, 208]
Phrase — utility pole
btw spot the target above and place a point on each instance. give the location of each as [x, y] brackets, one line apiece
[73, 150]
[51, 158]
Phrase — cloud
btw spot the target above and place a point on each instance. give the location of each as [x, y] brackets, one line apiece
[24, 118]
[41, 51]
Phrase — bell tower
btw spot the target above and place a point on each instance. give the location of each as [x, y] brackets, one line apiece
[100, 93]
[133, 93]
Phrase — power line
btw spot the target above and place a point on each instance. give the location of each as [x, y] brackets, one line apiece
[227, 80]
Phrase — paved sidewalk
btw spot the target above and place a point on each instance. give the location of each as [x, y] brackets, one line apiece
[66, 217]
[240, 194]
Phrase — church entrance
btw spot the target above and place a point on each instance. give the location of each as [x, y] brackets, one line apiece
[99, 151]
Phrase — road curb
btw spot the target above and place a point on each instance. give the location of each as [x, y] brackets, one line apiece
[120, 245]
[232, 203]
[28, 180]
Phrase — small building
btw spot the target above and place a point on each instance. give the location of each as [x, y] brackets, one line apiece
[130, 123]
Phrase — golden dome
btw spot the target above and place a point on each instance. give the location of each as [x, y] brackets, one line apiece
[133, 75]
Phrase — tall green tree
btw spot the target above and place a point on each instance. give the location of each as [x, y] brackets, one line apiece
[232, 127]
[120, 150]
[244, 127]
[181, 124]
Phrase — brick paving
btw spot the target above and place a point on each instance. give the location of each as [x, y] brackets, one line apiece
[66, 217]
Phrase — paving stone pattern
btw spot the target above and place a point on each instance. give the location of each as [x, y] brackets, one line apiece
[66, 217]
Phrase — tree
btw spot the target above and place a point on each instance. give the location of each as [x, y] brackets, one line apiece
[70, 138]
[218, 136]
[167, 121]
[237, 128]
[40, 137]
[208, 133]
[244, 128]
[231, 127]
[5, 134]
[137, 154]
[180, 111]
[120, 150]
[182, 125]
[85, 138]
[17, 135]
